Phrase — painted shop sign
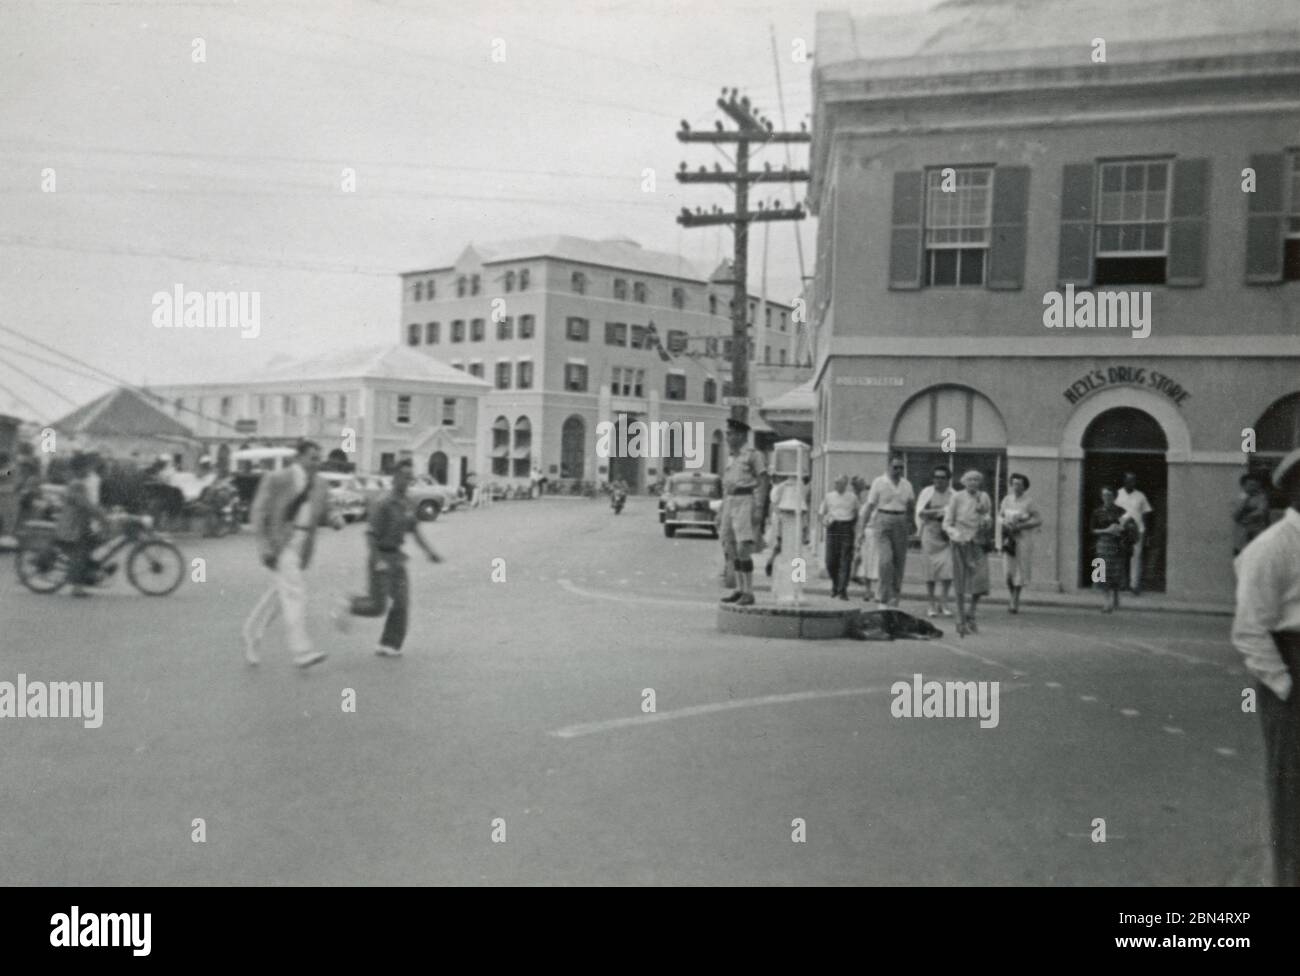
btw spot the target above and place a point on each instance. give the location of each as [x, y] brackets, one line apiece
[868, 381]
[1125, 376]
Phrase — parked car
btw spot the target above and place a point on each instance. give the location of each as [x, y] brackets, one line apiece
[688, 502]
[248, 466]
[374, 486]
[430, 498]
[346, 496]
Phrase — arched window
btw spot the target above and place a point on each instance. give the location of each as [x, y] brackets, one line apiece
[460, 287]
[573, 438]
[438, 467]
[1277, 433]
[428, 289]
[523, 451]
[956, 417]
[523, 280]
[510, 281]
[418, 290]
[713, 304]
[475, 283]
[501, 447]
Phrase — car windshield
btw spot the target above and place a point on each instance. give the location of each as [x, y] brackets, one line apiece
[696, 489]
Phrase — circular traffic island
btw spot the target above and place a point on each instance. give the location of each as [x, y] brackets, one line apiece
[784, 621]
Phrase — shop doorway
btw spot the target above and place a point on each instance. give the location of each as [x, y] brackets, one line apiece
[625, 469]
[1117, 442]
[438, 467]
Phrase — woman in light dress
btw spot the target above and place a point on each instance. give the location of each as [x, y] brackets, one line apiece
[1020, 520]
[968, 523]
[935, 548]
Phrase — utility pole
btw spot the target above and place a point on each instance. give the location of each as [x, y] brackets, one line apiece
[753, 129]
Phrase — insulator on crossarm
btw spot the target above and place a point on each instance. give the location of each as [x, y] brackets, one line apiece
[717, 168]
[682, 168]
[767, 167]
[703, 170]
[686, 126]
[718, 125]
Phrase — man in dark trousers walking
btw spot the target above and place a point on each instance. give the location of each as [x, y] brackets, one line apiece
[1266, 631]
[390, 519]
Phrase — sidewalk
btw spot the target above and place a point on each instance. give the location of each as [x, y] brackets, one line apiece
[914, 590]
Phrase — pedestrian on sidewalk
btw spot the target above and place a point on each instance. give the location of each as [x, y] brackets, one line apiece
[1266, 631]
[1112, 531]
[389, 521]
[288, 506]
[892, 502]
[1135, 504]
[936, 550]
[967, 522]
[1250, 514]
[839, 513]
[1020, 521]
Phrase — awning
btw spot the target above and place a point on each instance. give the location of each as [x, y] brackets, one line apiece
[502, 451]
[522, 452]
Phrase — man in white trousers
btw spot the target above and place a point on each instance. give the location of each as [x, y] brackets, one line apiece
[286, 510]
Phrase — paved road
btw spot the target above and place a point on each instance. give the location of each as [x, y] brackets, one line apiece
[522, 700]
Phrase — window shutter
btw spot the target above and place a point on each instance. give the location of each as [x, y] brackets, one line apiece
[1010, 213]
[1264, 220]
[1187, 238]
[1074, 262]
[905, 236]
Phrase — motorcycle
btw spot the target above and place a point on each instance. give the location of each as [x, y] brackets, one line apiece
[618, 497]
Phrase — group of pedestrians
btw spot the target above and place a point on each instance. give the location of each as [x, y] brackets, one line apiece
[289, 506]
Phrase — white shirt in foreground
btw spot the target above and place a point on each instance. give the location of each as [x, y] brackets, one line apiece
[1268, 600]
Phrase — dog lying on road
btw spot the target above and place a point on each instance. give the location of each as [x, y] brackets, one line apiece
[890, 624]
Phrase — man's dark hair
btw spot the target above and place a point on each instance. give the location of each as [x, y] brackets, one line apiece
[303, 446]
[81, 463]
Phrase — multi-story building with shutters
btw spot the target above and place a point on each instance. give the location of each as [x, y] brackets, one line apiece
[571, 332]
[989, 177]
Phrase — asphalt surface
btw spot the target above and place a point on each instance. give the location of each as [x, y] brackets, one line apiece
[519, 705]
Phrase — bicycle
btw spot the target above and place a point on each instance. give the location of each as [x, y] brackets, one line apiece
[154, 566]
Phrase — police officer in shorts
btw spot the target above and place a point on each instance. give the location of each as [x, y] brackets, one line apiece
[744, 489]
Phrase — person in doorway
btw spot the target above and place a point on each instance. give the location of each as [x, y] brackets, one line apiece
[390, 520]
[936, 550]
[1112, 528]
[1266, 632]
[839, 513]
[967, 523]
[1020, 521]
[744, 486]
[892, 501]
[1135, 505]
[1250, 512]
[288, 506]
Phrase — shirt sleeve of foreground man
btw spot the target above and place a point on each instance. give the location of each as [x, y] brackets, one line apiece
[1268, 600]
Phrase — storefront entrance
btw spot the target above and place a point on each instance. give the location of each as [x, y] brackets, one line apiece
[1117, 442]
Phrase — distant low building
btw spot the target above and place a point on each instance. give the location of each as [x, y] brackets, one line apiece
[377, 405]
[124, 424]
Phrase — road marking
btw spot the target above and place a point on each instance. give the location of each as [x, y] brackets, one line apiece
[1172, 729]
[590, 728]
[962, 652]
[1129, 712]
[1225, 751]
[622, 598]
[1053, 684]
[1088, 698]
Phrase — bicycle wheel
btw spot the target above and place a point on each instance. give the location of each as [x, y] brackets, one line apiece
[43, 568]
[155, 568]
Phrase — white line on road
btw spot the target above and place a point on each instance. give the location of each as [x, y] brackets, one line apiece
[590, 728]
[961, 651]
[621, 598]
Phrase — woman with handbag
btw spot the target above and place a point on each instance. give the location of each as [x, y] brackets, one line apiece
[1020, 518]
[1112, 532]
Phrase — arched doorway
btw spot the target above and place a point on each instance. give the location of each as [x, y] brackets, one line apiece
[1117, 442]
[438, 467]
[573, 436]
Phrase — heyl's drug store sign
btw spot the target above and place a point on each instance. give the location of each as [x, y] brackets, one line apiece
[1149, 379]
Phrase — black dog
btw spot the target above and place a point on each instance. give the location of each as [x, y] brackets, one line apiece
[890, 624]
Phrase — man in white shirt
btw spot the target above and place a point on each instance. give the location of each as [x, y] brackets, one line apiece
[839, 511]
[1137, 508]
[1266, 631]
[891, 496]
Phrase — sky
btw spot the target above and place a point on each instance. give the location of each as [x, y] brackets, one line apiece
[226, 172]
